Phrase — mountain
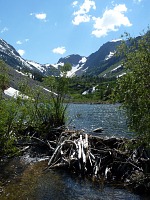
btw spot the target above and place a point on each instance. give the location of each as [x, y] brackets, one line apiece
[97, 62]
[102, 62]
[102, 59]
[77, 62]
[12, 57]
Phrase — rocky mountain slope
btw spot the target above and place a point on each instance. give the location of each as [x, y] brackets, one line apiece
[102, 62]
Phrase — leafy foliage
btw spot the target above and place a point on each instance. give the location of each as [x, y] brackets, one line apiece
[58, 87]
[4, 81]
[133, 89]
[34, 111]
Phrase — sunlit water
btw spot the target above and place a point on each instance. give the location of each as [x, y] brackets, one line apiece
[35, 184]
[92, 116]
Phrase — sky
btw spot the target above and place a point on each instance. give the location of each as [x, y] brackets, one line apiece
[46, 30]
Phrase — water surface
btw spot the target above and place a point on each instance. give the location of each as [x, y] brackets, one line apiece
[92, 116]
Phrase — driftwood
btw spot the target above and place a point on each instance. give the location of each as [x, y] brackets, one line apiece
[102, 159]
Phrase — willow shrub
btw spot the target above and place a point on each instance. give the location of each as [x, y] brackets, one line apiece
[133, 89]
[9, 118]
[36, 111]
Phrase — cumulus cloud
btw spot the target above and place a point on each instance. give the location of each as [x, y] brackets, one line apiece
[4, 30]
[59, 50]
[82, 15]
[21, 52]
[111, 20]
[40, 16]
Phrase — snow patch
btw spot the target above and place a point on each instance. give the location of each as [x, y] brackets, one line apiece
[91, 90]
[116, 40]
[21, 73]
[14, 93]
[49, 91]
[83, 60]
[109, 55]
[57, 65]
[74, 69]
[116, 68]
[121, 75]
[37, 65]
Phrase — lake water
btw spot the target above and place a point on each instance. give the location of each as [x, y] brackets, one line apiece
[35, 184]
[92, 116]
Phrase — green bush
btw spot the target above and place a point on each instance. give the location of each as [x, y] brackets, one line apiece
[133, 89]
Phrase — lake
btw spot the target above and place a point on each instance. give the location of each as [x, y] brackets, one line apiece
[92, 116]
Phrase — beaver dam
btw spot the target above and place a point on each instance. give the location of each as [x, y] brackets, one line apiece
[106, 161]
[102, 159]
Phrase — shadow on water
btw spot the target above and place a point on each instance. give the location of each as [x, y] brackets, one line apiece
[30, 182]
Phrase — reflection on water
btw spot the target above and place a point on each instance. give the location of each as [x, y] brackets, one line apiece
[92, 116]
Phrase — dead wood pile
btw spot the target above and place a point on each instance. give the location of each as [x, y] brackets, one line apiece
[102, 159]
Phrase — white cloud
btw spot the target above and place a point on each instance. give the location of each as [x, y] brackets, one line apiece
[80, 19]
[21, 52]
[74, 3]
[4, 30]
[18, 42]
[82, 14]
[111, 20]
[21, 42]
[59, 50]
[40, 16]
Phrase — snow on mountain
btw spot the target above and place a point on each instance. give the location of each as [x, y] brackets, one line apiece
[115, 69]
[37, 66]
[57, 65]
[11, 56]
[77, 67]
[73, 70]
[21, 73]
[109, 55]
[116, 40]
[121, 75]
[91, 90]
[83, 60]
[94, 64]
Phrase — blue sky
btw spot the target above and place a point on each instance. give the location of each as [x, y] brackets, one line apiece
[45, 30]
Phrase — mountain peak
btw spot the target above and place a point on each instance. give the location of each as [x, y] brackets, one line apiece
[94, 64]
